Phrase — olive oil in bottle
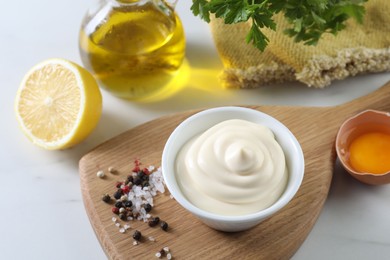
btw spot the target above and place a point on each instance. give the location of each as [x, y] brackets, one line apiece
[134, 48]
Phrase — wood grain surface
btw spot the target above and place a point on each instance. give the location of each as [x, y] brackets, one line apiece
[276, 238]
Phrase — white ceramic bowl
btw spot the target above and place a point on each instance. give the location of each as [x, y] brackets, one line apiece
[202, 121]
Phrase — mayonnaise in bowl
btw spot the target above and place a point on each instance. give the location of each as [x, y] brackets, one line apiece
[232, 167]
[236, 167]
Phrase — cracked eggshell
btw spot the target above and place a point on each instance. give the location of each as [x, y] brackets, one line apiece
[366, 121]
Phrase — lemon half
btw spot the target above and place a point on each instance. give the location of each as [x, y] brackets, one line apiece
[58, 104]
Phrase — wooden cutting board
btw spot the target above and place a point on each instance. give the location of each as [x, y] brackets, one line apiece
[277, 238]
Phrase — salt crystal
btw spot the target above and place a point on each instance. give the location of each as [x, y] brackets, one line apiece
[143, 211]
[152, 239]
[138, 203]
[160, 187]
[158, 255]
[118, 224]
[135, 243]
[122, 230]
[113, 219]
[126, 227]
[169, 256]
[166, 249]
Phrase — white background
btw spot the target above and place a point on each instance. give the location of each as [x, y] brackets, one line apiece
[42, 213]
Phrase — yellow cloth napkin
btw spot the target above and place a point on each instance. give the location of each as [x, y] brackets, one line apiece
[360, 48]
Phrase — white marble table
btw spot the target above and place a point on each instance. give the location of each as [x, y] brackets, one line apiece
[42, 213]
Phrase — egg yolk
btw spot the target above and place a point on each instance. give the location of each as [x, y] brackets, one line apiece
[370, 153]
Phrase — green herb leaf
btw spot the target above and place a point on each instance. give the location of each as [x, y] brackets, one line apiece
[257, 38]
[199, 8]
[232, 11]
[309, 19]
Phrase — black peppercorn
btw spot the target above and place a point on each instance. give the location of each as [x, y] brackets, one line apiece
[147, 207]
[130, 178]
[122, 216]
[164, 225]
[145, 177]
[128, 204]
[118, 194]
[140, 174]
[106, 198]
[153, 221]
[137, 181]
[137, 235]
[119, 204]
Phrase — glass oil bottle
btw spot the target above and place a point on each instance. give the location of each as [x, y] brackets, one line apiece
[134, 48]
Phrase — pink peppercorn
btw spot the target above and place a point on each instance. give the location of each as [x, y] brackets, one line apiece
[126, 189]
[146, 171]
[115, 210]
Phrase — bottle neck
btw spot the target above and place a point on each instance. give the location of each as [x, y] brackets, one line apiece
[127, 1]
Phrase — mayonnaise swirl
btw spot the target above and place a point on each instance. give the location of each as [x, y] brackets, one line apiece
[234, 168]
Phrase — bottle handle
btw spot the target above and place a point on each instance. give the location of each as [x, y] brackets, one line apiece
[171, 3]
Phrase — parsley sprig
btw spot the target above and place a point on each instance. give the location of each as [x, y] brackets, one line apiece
[309, 19]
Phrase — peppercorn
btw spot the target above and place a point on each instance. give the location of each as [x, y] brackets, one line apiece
[153, 221]
[119, 204]
[122, 216]
[136, 169]
[140, 174]
[106, 198]
[118, 194]
[137, 235]
[147, 207]
[130, 178]
[164, 225]
[100, 174]
[128, 204]
[146, 171]
[126, 189]
[115, 210]
[137, 181]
